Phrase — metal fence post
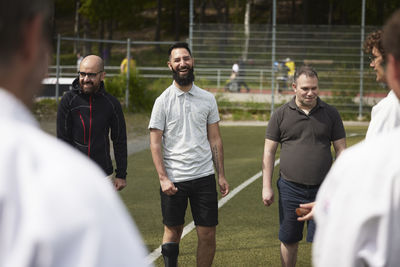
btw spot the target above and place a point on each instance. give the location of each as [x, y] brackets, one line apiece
[191, 25]
[360, 109]
[128, 57]
[58, 66]
[273, 54]
[218, 78]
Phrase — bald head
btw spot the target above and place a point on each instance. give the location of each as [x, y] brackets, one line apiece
[93, 61]
[91, 74]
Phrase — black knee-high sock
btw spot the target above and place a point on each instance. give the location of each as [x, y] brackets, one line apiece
[170, 253]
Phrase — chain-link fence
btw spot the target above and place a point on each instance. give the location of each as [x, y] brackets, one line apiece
[334, 51]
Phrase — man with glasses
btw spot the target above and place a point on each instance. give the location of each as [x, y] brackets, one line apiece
[86, 115]
[386, 114]
[359, 199]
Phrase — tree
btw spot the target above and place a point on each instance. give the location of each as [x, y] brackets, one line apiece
[246, 30]
[158, 21]
[104, 14]
[76, 25]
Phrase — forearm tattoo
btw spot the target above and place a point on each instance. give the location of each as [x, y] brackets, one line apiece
[215, 157]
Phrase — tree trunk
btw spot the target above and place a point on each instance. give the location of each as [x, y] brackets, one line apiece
[226, 17]
[246, 30]
[76, 27]
[380, 5]
[87, 49]
[101, 37]
[158, 24]
[202, 11]
[306, 8]
[293, 13]
[177, 20]
[202, 17]
[330, 12]
[107, 50]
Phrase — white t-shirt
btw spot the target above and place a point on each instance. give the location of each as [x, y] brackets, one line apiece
[235, 68]
[183, 118]
[56, 207]
[358, 206]
[385, 116]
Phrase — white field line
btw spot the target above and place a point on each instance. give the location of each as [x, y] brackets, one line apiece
[189, 227]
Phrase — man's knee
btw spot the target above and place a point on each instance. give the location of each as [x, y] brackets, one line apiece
[206, 234]
[290, 246]
[173, 233]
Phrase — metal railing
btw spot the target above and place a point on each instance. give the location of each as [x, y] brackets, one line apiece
[333, 50]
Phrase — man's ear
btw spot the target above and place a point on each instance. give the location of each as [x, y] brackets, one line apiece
[31, 39]
[169, 65]
[294, 87]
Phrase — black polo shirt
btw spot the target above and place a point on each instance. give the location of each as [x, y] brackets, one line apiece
[305, 140]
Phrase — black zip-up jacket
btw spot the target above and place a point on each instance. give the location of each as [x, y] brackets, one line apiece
[84, 121]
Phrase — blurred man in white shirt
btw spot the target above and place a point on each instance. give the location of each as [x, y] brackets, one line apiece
[51, 215]
[358, 206]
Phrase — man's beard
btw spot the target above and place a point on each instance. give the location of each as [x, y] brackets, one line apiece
[184, 80]
[92, 89]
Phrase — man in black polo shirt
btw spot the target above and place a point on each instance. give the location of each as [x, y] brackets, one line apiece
[305, 127]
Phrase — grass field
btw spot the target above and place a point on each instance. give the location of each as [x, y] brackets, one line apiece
[247, 230]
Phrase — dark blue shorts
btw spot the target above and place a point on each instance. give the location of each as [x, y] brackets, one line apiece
[290, 196]
[202, 195]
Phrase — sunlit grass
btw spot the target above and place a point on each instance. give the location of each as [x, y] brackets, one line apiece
[247, 234]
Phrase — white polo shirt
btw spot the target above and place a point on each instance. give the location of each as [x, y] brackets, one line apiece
[358, 207]
[183, 117]
[385, 116]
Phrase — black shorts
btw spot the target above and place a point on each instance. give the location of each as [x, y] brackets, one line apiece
[202, 194]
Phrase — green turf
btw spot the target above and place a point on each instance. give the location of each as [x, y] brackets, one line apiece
[247, 230]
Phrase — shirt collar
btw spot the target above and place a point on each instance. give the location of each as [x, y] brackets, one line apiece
[179, 92]
[320, 104]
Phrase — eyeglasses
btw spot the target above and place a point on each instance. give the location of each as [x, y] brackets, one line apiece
[372, 58]
[90, 75]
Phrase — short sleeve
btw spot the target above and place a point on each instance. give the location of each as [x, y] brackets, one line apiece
[338, 131]
[273, 131]
[213, 116]
[157, 119]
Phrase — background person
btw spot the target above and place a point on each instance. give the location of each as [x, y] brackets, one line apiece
[124, 65]
[184, 125]
[360, 196]
[57, 210]
[291, 68]
[385, 116]
[88, 114]
[236, 80]
[78, 60]
[305, 127]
